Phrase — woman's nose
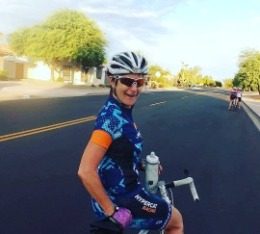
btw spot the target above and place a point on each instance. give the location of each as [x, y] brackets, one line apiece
[133, 86]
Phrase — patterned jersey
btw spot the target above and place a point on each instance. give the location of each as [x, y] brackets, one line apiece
[118, 169]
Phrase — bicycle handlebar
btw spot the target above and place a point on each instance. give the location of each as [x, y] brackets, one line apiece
[186, 181]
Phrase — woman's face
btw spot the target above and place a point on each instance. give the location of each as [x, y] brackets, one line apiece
[127, 90]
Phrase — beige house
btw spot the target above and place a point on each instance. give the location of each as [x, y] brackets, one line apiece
[23, 68]
[16, 67]
[11, 64]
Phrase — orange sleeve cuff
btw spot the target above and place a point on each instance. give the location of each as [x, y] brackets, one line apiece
[102, 138]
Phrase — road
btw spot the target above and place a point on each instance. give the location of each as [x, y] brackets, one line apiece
[40, 190]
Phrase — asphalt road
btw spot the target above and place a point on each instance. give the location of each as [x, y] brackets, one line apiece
[40, 191]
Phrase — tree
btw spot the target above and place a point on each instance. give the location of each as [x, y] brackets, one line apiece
[209, 82]
[153, 69]
[164, 79]
[189, 75]
[249, 72]
[228, 83]
[67, 38]
[218, 83]
[239, 79]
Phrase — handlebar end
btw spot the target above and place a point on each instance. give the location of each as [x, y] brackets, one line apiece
[196, 200]
[186, 172]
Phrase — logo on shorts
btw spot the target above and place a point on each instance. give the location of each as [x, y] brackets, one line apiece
[147, 206]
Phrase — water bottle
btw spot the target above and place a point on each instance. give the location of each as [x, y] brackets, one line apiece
[151, 172]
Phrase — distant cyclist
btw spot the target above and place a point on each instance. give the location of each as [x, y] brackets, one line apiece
[110, 164]
[239, 97]
[232, 97]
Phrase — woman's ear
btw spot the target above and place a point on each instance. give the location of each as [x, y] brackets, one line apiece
[112, 81]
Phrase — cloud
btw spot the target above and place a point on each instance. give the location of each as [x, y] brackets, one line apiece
[132, 25]
[205, 33]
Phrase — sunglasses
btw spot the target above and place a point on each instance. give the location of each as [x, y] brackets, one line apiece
[129, 82]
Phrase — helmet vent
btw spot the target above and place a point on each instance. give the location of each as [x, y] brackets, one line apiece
[115, 66]
[135, 58]
[126, 61]
[143, 64]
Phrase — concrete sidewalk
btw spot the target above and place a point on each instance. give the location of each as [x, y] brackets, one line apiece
[252, 100]
[30, 89]
[251, 104]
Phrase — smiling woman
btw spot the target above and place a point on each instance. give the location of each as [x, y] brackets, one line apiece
[126, 72]
[110, 164]
[127, 89]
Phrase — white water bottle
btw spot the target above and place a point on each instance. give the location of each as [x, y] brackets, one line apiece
[152, 172]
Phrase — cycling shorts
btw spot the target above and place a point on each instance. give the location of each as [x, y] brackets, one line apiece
[232, 97]
[149, 211]
[239, 99]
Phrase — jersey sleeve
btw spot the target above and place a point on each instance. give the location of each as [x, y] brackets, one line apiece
[101, 138]
[110, 121]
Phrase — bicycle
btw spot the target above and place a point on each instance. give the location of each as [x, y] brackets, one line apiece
[234, 105]
[165, 189]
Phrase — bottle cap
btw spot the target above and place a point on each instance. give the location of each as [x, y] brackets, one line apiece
[152, 158]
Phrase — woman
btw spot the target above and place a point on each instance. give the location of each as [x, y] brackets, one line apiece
[239, 97]
[232, 97]
[110, 163]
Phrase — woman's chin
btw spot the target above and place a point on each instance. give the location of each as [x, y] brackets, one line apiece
[129, 101]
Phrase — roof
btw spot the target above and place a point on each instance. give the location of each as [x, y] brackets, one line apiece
[15, 59]
[4, 50]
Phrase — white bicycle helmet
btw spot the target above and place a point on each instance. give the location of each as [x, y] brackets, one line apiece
[127, 63]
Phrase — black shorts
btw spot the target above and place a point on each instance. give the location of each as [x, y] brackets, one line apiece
[150, 212]
[232, 97]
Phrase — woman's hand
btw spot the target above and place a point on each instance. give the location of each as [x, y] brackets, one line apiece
[122, 216]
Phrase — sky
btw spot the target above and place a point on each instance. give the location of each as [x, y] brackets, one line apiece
[210, 34]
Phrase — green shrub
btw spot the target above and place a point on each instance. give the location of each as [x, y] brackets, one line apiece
[60, 79]
[163, 85]
[3, 75]
[154, 85]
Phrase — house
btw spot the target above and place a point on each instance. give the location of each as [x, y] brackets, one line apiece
[14, 69]
[24, 68]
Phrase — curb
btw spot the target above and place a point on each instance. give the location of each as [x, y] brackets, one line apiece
[252, 115]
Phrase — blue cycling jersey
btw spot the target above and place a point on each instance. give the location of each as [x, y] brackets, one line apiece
[118, 169]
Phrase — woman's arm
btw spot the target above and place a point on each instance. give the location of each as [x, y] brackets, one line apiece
[91, 158]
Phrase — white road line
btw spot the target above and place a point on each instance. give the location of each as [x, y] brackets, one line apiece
[158, 103]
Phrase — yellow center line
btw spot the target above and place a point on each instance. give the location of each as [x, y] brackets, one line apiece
[45, 128]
